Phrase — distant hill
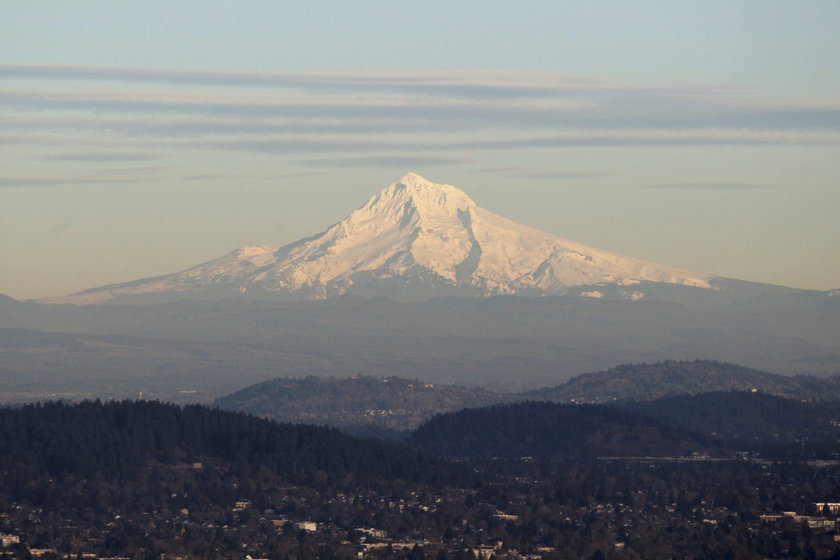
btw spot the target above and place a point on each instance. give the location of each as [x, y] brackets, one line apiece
[651, 381]
[363, 405]
[549, 430]
[735, 415]
[388, 406]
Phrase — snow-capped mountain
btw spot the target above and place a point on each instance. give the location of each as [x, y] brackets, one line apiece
[414, 240]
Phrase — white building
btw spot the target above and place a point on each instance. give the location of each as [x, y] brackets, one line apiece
[7, 540]
[310, 526]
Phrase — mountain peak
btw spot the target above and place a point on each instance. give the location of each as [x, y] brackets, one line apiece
[412, 178]
[416, 194]
[419, 186]
[415, 239]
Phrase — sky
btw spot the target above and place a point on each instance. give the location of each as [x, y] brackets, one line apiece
[142, 138]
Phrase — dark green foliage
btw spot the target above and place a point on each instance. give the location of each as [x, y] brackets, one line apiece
[551, 430]
[389, 407]
[120, 439]
[569, 509]
[737, 415]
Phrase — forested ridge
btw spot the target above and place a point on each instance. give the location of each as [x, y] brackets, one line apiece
[361, 404]
[739, 415]
[120, 439]
[390, 407]
[149, 480]
[667, 378]
[553, 430]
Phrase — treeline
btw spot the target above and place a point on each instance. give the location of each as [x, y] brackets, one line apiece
[390, 407]
[738, 415]
[115, 479]
[715, 424]
[553, 430]
[120, 439]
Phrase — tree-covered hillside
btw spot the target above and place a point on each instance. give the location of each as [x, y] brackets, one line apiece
[736, 415]
[651, 381]
[364, 405]
[119, 440]
[390, 406]
[541, 429]
[123, 479]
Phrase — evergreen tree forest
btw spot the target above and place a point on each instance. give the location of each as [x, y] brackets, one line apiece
[149, 480]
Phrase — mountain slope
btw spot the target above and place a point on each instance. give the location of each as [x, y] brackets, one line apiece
[383, 406]
[746, 416]
[541, 429]
[413, 240]
[363, 404]
[651, 381]
[123, 439]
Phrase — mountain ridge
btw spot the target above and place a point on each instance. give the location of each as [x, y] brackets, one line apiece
[362, 405]
[746, 415]
[388, 406]
[552, 430]
[671, 378]
[413, 240]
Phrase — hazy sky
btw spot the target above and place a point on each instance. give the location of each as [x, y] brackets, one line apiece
[141, 138]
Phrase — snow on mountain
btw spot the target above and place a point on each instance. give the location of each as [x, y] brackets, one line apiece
[414, 239]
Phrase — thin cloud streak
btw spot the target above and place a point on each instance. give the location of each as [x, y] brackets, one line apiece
[101, 157]
[385, 117]
[118, 175]
[711, 187]
[384, 161]
[470, 83]
[356, 144]
[321, 107]
[415, 144]
[538, 173]
[46, 182]
[374, 113]
[244, 177]
[192, 126]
